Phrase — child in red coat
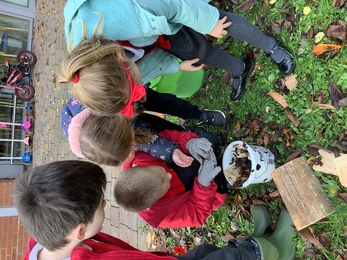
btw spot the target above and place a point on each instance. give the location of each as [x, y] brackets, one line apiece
[61, 204]
[168, 197]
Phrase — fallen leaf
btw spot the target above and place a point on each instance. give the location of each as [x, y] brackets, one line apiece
[342, 196]
[324, 239]
[279, 99]
[267, 109]
[291, 82]
[337, 31]
[266, 139]
[319, 36]
[343, 102]
[307, 10]
[308, 111]
[274, 194]
[323, 106]
[226, 77]
[335, 94]
[323, 47]
[293, 156]
[310, 236]
[273, 1]
[292, 117]
[258, 202]
[275, 27]
[338, 3]
[245, 6]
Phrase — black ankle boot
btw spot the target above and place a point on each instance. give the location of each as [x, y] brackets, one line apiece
[239, 82]
[286, 65]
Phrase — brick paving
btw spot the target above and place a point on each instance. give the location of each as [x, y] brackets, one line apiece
[48, 143]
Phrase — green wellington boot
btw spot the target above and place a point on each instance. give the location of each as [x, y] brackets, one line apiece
[261, 219]
[279, 245]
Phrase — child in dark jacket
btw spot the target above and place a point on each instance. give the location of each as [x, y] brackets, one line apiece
[61, 204]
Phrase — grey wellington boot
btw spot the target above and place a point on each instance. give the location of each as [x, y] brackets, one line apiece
[279, 245]
[261, 218]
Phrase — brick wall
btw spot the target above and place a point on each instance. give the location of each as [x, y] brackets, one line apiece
[13, 236]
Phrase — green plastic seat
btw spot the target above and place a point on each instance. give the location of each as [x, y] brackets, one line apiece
[183, 84]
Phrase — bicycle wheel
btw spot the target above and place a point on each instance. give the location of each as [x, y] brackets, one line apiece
[25, 92]
[27, 57]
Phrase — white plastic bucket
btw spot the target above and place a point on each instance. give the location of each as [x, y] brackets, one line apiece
[262, 162]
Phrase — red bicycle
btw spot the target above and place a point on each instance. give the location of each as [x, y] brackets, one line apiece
[23, 91]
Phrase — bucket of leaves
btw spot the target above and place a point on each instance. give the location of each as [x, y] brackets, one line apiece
[245, 164]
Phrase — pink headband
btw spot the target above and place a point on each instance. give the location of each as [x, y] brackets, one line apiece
[137, 91]
[75, 131]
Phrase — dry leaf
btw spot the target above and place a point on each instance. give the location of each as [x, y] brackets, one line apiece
[319, 36]
[308, 111]
[245, 6]
[323, 106]
[310, 236]
[292, 117]
[291, 82]
[293, 156]
[342, 196]
[337, 31]
[279, 98]
[335, 94]
[307, 10]
[274, 194]
[322, 48]
[343, 102]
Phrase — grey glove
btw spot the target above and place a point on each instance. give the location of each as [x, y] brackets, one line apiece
[207, 172]
[200, 148]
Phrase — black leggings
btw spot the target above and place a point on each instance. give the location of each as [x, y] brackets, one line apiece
[171, 105]
[188, 44]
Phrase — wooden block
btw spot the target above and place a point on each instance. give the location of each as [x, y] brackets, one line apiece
[302, 193]
[341, 168]
[328, 162]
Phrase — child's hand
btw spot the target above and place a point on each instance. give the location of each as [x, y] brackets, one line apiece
[181, 159]
[207, 172]
[219, 30]
[187, 65]
[200, 149]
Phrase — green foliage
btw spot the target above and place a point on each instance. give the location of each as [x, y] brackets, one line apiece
[316, 125]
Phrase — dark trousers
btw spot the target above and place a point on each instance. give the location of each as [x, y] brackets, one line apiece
[171, 105]
[244, 251]
[188, 44]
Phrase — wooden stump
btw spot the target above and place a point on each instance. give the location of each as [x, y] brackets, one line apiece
[302, 193]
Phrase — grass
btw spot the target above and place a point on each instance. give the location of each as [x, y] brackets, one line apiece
[319, 126]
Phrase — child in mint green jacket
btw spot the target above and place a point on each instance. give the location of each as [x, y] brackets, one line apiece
[181, 24]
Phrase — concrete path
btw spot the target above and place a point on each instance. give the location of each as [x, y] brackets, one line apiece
[49, 144]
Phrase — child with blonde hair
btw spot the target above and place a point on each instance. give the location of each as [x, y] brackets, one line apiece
[157, 32]
[108, 82]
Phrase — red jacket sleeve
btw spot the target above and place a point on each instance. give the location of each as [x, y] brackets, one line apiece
[180, 138]
[189, 209]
